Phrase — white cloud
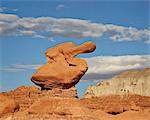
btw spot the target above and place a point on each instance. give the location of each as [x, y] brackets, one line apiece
[48, 27]
[4, 9]
[20, 67]
[102, 67]
[15, 9]
[59, 7]
[10, 69]
[8, 18]
[27, 32]
[26, 66]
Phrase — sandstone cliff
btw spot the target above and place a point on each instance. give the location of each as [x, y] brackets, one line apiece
[128, 82]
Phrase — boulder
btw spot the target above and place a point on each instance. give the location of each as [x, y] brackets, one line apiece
[63, 70]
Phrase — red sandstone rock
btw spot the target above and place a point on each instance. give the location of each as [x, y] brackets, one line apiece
[58, 108]
[116, 104]
[62, 104]
[7, 105]
[25, 96]
[63, 69]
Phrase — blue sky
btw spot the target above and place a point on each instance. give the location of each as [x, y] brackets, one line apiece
[25, 49]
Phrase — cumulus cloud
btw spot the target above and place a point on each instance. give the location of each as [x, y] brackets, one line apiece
[8, 18]
[104, 67]
[48, 27]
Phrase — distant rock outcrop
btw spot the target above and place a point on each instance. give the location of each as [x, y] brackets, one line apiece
[63, 70]
[128, 82]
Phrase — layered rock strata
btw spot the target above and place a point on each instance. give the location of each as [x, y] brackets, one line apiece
[128, 82]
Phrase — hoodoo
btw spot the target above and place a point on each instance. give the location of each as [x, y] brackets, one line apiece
[63, 70]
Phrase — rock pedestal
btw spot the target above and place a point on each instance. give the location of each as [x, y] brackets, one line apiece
[25, 96]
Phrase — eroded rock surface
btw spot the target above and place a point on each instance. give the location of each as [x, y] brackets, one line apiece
[25, 96]
[57, 109]
[117, 104]
[63, 104]
[63, 69]
[128, 82]
[7, 105]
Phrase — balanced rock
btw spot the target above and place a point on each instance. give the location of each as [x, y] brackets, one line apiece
[63, 70]
[128, 82]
